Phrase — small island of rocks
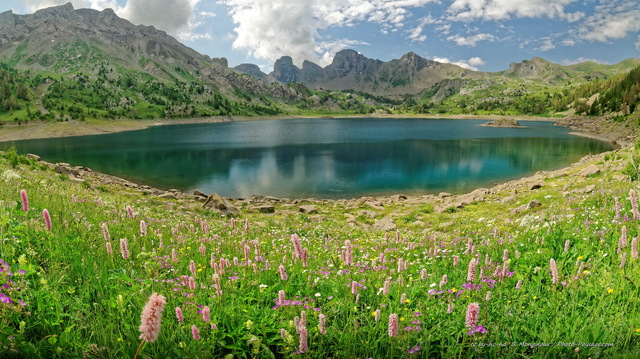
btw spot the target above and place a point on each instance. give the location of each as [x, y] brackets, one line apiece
[504, 123]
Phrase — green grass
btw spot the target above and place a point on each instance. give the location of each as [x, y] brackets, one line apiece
[81, 301]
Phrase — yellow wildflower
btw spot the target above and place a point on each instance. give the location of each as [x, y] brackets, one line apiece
[610, 290]
[22, 260]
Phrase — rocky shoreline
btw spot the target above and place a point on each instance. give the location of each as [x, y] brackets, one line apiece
[623, 134]
[598, 128]
[373, 208]
[39, 130]
[509, 193]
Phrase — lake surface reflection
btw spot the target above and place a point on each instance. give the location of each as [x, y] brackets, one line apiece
[323, 158]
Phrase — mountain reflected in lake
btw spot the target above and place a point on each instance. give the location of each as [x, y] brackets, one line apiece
[323, 158]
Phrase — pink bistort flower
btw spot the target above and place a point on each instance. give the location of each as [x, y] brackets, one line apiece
[151, 318]
[47, 219]
[393, 325]
[195, 332]
[25, 201]
[206, 314]
[124, 248]
[471, 270]
[554, 271]
[179, 314]
[473, 314]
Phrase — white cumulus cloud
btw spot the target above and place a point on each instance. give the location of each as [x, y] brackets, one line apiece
[467, 10]
[580, 60]
[271, 29]
[327, 49]
[177, 17]
[546, 44]
[611, 20]
[416, 34]
[168, 15]
[471, 41]
[476, 61]
[34, 5]
[469, 64]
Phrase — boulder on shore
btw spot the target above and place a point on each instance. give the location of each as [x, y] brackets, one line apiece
[308, 209]
[220, 205]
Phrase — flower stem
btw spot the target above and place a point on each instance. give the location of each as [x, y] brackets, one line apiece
[139, 347]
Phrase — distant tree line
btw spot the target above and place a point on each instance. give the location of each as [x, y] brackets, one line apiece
[620, 94]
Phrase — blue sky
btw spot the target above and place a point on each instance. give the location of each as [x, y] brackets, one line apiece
[486, 35]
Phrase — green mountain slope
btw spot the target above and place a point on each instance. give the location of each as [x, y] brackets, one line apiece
[60, 63]
[102, 65]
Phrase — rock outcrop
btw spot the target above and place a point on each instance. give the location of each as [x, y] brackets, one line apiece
[351, 70]
[504, 123]
[221, 205]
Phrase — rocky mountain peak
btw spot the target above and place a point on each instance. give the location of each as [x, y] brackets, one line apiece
[65, 11]
[252, 70]
[285, 71]
[63, 40]
[415, 62]
[347, 59]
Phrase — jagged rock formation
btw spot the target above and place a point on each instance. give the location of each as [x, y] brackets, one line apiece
[64, 40]
[351, 70]
[254, 70]
[412, 74]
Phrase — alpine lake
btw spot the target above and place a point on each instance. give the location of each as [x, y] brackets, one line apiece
[329, 158]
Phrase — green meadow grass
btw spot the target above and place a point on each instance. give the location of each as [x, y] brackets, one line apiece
[65, 296]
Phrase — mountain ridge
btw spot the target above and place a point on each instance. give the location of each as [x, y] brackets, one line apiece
[90, 63]
[30, 40]
[411, 74]
[63, 40]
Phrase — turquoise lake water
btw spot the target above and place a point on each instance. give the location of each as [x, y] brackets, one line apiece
[323, 158]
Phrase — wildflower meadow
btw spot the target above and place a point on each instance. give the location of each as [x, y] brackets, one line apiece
[95, 271]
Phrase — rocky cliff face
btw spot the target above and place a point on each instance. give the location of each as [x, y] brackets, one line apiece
[351, 70]
[541, 69]
[31, 39]
[285, 71]
[61, 39]
[254, 71]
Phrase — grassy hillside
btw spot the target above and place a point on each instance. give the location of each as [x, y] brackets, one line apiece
[76, 286]
[619, 95]
[550, 90]
[125, 94]
[28, 96]
[112, 93]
